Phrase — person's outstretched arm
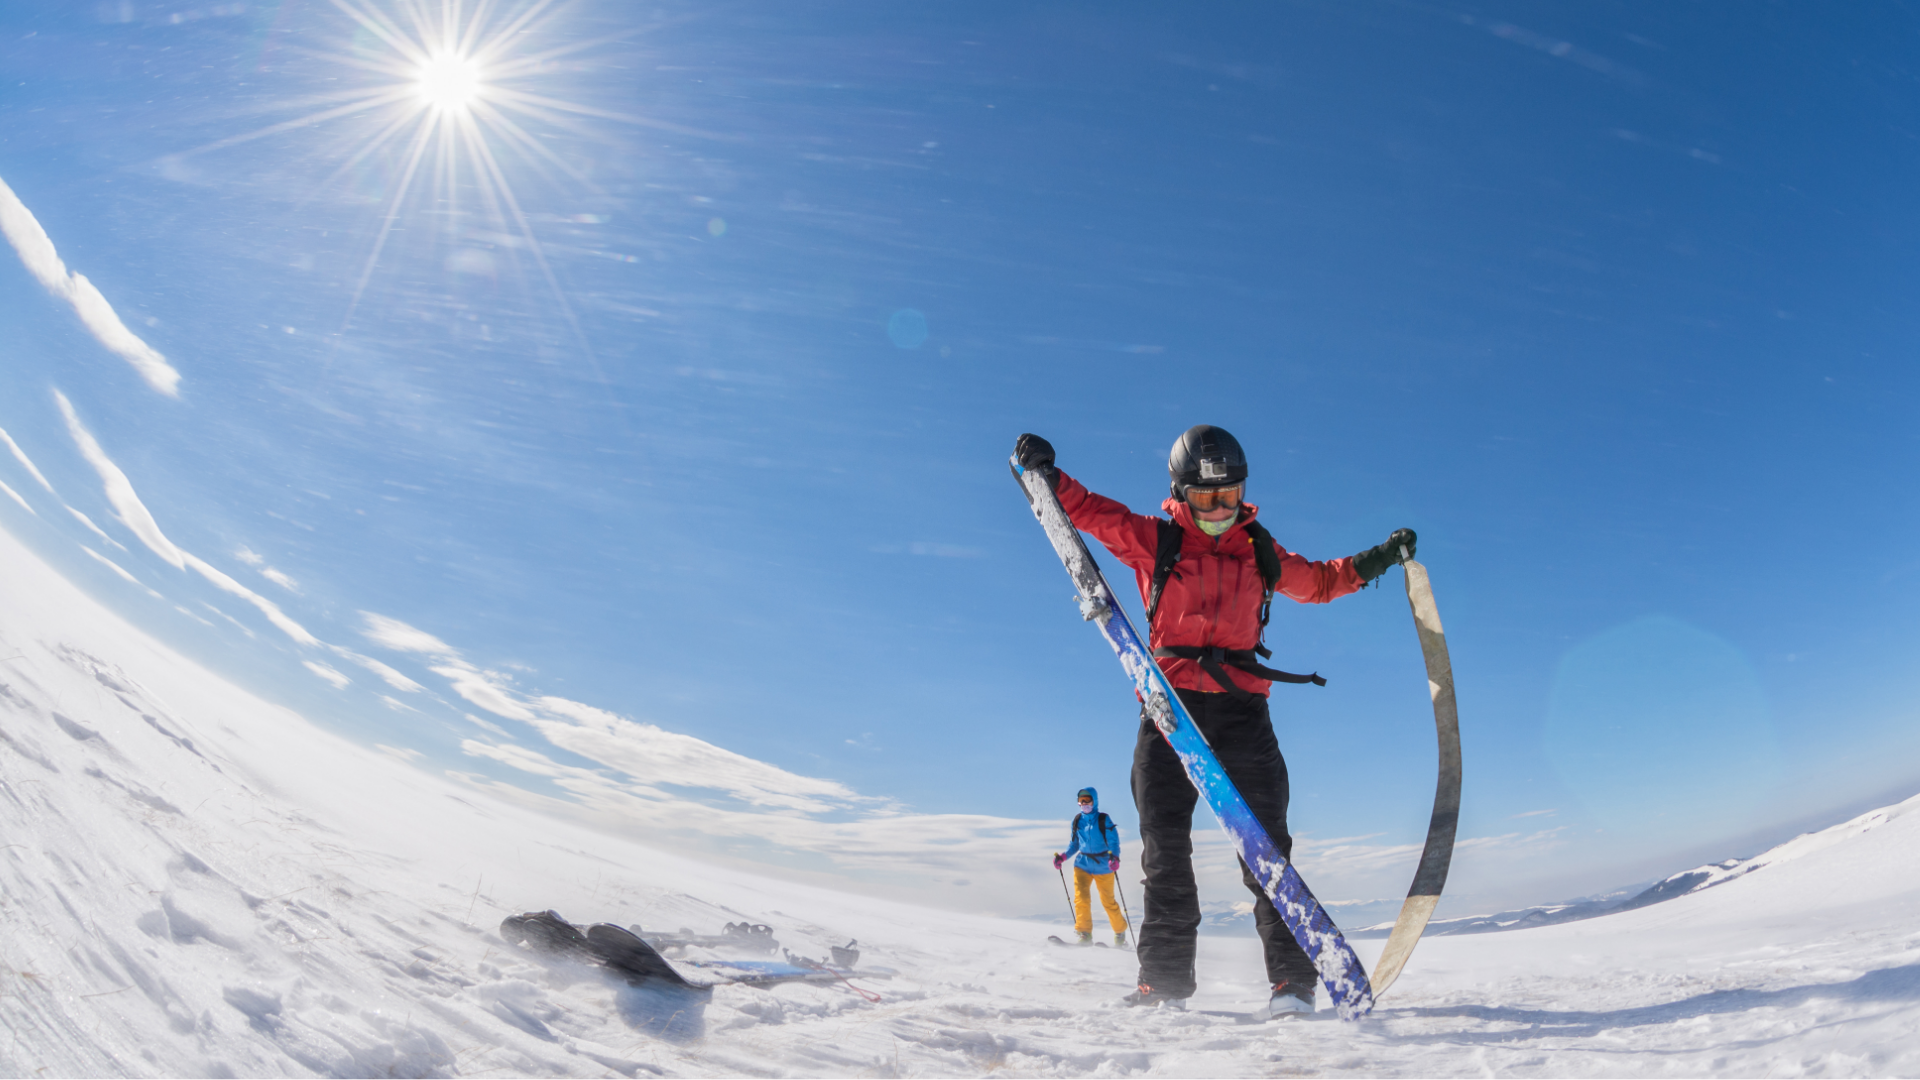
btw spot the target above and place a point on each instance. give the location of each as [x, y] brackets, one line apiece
[1131, 537]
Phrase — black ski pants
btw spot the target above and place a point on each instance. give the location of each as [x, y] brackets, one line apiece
[1241, 734]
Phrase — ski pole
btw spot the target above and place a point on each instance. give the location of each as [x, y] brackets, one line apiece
[1072, 911]
[1123, 907]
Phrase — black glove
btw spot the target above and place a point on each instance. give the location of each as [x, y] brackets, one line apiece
[1034, 452]
[1373, 562]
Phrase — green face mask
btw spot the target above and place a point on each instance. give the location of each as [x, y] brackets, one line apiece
[1216, 528]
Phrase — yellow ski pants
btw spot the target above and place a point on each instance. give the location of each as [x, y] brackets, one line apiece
[1083, 901]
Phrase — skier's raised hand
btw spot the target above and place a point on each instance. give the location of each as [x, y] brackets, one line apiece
[1374, 561]
[1033, 452]
[1036, 454]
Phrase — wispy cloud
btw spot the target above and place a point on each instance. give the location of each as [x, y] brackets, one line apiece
[15, 496]
[25, 460]
[329, 673]
[259, 563]
[36, 250]
[238, 625]
[691, 792]
[483, 688]
[1563, 50]
[645, 753]
[189, 613]
[133, 513]
[398, 636]
[266, 607]
[387, 674]
[95, 529]
[120, 494]
[490, 690]
[880, 846]
[654, 756]
[118, 569]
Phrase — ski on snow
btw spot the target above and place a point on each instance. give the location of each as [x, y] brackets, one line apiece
[1340, 970]
[1058, 940]
[620, 950]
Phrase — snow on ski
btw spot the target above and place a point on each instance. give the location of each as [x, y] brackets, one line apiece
[1340, 970]
[1431, 877]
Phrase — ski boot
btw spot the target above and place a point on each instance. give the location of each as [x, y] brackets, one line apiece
[1290, 999]
[1083, 937]
[1119, 939]
[1148, 996]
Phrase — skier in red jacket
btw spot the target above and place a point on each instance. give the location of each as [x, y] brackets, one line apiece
[1205, 627]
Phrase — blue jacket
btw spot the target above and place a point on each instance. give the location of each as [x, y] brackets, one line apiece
[1094, 838]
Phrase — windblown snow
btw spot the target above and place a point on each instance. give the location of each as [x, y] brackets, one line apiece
[197, 882]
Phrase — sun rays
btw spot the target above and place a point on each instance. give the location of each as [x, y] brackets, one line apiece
[446, 102]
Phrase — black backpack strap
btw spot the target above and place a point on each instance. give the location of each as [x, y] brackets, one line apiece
[1266, 558]
[1165, 554]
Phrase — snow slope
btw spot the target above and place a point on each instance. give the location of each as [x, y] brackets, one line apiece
[197, 882]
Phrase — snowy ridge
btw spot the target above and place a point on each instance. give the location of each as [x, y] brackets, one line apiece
[1711, 874]
[1705, 876]
[197, 882]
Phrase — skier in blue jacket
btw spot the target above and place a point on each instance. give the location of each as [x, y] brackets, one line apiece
[1094, 848]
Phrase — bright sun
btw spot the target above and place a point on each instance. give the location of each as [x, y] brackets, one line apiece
[449, 98]
[448, 81]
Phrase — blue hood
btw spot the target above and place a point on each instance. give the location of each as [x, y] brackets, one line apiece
[1093, 837]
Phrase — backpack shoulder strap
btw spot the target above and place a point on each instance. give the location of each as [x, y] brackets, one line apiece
[1266, 558]
[1165, 553]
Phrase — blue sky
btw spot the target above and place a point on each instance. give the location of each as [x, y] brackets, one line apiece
[695, 446]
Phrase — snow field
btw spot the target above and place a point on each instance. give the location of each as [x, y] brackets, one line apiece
[197, 882]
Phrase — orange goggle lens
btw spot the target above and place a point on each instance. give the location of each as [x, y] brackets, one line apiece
[1215, 498]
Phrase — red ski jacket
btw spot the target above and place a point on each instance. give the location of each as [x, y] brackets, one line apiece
[1213, 596]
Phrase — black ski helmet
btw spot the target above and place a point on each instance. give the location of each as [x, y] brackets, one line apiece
[1206, 456]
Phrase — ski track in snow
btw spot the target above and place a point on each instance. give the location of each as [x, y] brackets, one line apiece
[197, 882]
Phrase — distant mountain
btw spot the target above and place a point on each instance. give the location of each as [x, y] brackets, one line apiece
[1585, 907]
[1701, 877]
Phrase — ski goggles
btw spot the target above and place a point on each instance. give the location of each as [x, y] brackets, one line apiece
[1215, 498]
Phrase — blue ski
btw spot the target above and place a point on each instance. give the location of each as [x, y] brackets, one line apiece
[1340, 970]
